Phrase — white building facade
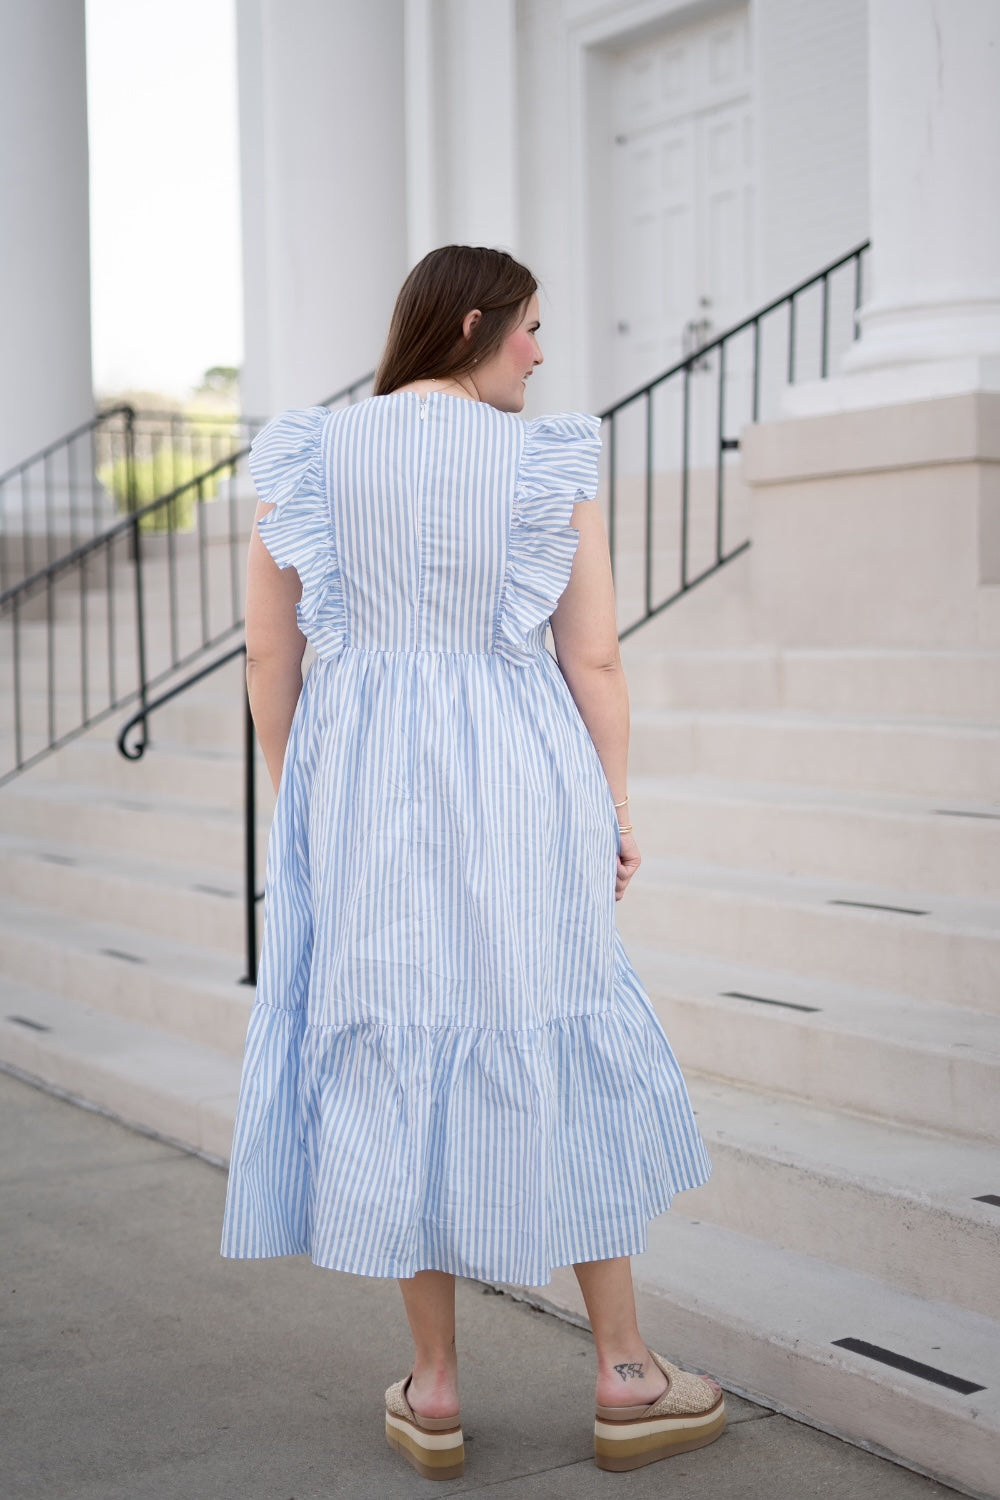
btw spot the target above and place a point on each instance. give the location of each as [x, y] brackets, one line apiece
[665, 166]
[661, 166]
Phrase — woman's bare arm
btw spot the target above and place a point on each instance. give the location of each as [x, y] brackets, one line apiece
[585, 633]
[275, 646]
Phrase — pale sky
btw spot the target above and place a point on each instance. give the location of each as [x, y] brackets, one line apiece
[164, 204]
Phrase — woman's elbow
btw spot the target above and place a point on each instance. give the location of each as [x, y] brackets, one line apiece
[600, 657]
[269, 660]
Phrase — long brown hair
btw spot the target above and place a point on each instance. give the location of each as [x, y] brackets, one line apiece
[425, 335]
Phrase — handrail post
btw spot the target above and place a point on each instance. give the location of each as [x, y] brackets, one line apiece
[140, 627]
[720, 450]
[648, 523]
[249, 840]
[131, 479]
[18, 704]
[613, 491]
[685, 474]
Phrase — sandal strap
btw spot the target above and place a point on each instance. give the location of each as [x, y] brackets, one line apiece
[397, 1404]
[685, 1395]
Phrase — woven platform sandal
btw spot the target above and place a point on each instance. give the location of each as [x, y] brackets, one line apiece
[433, 1445]
[689, 1414]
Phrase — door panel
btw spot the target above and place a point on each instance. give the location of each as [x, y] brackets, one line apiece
[682, 194]
[682, 269]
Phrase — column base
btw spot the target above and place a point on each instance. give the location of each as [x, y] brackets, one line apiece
[879, 526]
[889, 385]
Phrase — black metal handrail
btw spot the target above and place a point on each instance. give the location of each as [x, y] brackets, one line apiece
[189, 544]
[71, 490]
[252, 895]
[678, 428]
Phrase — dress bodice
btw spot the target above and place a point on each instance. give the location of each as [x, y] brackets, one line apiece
[425, 523]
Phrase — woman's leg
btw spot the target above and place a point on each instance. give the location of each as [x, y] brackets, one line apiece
[429, 1299]
[626, 1376]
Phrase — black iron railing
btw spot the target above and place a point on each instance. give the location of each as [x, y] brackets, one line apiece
[674, 496]
[133, 740]
[81, 637]
[76, 488]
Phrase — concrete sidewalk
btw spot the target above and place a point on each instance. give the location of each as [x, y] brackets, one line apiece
[136, 1363]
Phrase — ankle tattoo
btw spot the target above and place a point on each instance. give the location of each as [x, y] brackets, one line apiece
[630, 1371]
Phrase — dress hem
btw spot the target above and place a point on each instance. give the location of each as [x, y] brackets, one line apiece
[634, 1243]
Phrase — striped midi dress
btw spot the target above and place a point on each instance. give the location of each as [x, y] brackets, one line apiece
[450, 1063]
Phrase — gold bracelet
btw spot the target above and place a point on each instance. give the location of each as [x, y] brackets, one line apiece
[627, 828]
[622, 802]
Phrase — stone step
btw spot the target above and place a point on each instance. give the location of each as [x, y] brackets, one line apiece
[767, 1321]
[878, 684]
[934, 948]
[171, 1086]
[134, 819]
[162, 982]
[197, 903]
[206, 774]
[717, 613]
[928, 759]
[866, 1051]
[180, 653]
[209, 716]
[945, 844]
[902, 1205]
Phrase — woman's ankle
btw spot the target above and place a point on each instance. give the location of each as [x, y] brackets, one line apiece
[629, 1377]
[433, 1388]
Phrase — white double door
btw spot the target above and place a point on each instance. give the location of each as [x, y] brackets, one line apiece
[682, 194]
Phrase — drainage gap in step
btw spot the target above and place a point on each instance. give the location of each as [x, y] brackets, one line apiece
[129, 958]
[57, 859]
[214, 890]
[959, 812]
[910, 1366]
[906, 911]
[993, 1198]
[766, 1000]
[31, 1025]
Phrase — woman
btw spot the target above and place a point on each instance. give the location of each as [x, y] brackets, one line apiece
[451, 1067]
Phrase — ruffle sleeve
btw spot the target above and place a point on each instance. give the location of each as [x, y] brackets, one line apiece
[558, 467]
[286, 464]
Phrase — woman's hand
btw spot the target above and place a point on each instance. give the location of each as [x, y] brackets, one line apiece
[629, 861]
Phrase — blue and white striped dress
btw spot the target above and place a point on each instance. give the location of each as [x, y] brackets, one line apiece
[451, 1063]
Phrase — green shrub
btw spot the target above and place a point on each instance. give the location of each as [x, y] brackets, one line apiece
[156, 474]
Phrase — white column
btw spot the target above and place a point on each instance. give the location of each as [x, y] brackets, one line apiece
[931, 323]
[45, 366]
[324, 192]
[935, 175]
[473, 77]
[422, 155]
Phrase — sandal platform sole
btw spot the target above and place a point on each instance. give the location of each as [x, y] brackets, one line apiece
[620, 1446]
[435, 1455]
